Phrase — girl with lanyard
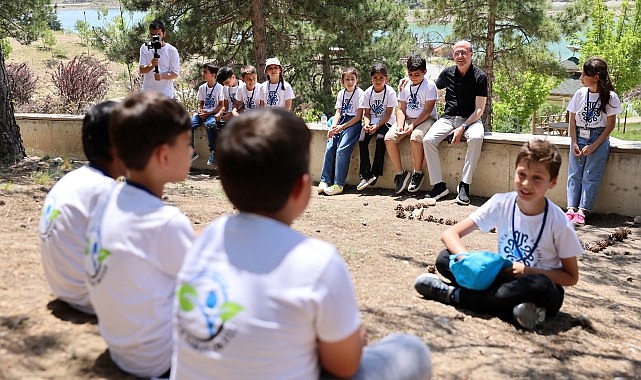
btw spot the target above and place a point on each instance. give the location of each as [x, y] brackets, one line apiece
[533, 233]
[343, 135]
[378, 106]
[593, 111]
[275, 92]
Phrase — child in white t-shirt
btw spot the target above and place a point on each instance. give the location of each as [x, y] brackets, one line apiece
[135, 242]
[343, 134]
[248, 93]
[533, 233]
[378, 105]
[210, 104]
[256, 299]
[67, 206]
[415, 114]
[275, 91]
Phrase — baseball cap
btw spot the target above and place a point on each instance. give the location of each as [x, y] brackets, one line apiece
[272, 61]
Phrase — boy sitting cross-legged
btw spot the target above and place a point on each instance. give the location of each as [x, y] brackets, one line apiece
[135, 242]
[257, 300]
[533, 233]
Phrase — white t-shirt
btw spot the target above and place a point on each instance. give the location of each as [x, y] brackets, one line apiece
[558, 239]
[348, 102]
[586, 105]
[168, 61]
[378, 102]
[63, 225]
[416, 96]
[136, 245]
[231, 94]
[275, 94]
[253, 297]
[212, 96]
[250, 98]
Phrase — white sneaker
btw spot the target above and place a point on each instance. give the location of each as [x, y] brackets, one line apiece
[528, 315]
[321, 187]
[333, 190]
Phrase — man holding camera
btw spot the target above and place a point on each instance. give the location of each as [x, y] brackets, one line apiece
[159, 62]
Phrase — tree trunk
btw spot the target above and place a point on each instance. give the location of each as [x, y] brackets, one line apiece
[259, 32]
[489, 63]
[11, 147]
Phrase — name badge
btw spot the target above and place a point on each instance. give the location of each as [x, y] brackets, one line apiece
[584, 133]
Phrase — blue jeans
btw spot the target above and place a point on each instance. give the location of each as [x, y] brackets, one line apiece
[210, 126]
[397, 356]
[338, 152]
[585, 172]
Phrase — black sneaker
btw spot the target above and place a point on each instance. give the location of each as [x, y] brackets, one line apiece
[463, 197]
[431, 287]
[194, 156]
[415, 182]
[400, 182]
[438, 191]
[528, 315]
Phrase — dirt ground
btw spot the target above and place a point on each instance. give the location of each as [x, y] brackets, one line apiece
[595, 336]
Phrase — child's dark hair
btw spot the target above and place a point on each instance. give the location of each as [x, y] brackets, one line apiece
[211, 67]
[95, 132]
[144, 121]
[261, 155]
[349, 70]
[378, 68]
[597, 66]
[247, 69]
[541, 151]
[223, 74]
[416, 62]
[157, 24]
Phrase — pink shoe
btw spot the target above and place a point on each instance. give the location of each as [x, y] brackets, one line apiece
[570, 214]
[578, 220]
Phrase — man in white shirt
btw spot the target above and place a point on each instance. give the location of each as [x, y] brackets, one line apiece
[159, 62]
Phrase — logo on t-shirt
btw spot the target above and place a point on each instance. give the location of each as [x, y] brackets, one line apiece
[49, 214]
[412, 102]
[204, 312]
[95, 256]
[518, 248]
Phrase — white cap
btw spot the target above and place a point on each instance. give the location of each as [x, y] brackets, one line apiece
[272, 61]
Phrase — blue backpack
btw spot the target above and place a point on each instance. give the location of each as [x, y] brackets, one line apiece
[477, 270]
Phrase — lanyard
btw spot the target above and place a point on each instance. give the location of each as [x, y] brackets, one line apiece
[343, 104]
[590, 111]
[383, 102]
[250, 100]
[538, 238]
[413, 96]
[208, 95]
[269, 84]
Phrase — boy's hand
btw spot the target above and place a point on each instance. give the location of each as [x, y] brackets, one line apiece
[157, 76]
[154, 62]
[515, 271]
[373, 128]
[226, 116]
[202, 113]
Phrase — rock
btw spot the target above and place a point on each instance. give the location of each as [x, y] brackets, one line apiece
[417, 213]
[430, 201]
[365, 203]
[637, 219]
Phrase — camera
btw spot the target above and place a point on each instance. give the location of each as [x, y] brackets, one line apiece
[155, 44]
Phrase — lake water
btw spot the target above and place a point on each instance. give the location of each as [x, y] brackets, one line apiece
[69, 17]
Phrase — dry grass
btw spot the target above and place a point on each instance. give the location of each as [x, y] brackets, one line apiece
[42, 62]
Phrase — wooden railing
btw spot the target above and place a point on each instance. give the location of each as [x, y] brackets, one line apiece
[556, 124]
